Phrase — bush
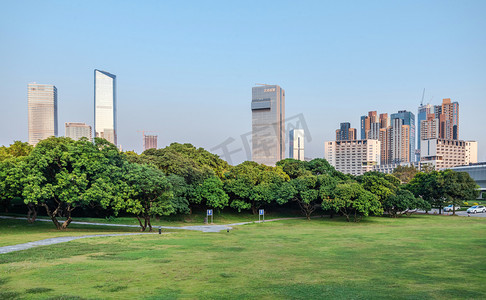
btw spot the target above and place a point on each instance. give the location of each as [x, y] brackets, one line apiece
[465, 204]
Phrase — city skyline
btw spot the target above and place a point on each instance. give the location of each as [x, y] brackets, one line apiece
[192, 84]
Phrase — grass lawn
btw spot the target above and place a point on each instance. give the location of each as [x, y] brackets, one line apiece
[420, 257]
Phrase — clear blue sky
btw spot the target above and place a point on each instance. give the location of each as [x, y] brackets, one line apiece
[185, 68]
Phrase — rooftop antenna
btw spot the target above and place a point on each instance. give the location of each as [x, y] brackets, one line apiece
[422, 102]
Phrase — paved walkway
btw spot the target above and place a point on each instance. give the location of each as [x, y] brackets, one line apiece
[57, 240]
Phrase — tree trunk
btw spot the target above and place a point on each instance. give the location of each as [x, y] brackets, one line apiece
[142, 228]
[66, 223]
[53, 214]
[32, 213]
[254, 209]
[147, 222]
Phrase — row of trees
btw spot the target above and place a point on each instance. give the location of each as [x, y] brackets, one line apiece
[61, 175]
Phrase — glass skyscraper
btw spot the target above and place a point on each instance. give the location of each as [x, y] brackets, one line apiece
[296, 144]
[105, 106]
[268, 124]
[42, 106]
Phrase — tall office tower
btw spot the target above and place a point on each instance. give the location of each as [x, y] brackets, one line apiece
[78, 130]
[423, 112]
[296, 144]
[408, 118]
[384, 121]
[449, 120]
[105, 106]
[353, 157]
[149, 142]
[429, 128]
[345, 133]
[400, 141]
[366, 123]
[268, 124]
[42, 108]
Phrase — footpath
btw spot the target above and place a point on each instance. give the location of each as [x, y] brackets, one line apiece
[57, 240]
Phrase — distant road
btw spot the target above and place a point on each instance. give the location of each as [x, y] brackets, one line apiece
[459, 213]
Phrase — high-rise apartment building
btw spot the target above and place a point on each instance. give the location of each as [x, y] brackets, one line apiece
[385, 145]
[384, 120]
[353, 157]
[429, 128]
[400, 142]
[449, 120]
[443, 154]
[149, 142]
[408, 118]
[105, 106]
[296, 144]
[77, 130]
[366, 122]
[268, 124]
[345, 133]
[423, 112]
[42, 111]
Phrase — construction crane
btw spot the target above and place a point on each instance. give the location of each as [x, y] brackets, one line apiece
[261, 84]
[143, 136]
[422, 102]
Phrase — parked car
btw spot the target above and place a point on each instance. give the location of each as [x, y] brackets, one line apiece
[449, 208]
[476, 209]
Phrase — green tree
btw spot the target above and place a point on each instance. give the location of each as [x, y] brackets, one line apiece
[403, 202]
[379, 184]
[62, 174]
[457, 187]
[294, 168]
[353, 201]
[149, 194]
[211, 193]
[430, 187]
[17, 149]
[405, 173]
[306, 194]
[251, 185]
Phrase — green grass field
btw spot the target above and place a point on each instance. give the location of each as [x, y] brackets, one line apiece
[420, 257]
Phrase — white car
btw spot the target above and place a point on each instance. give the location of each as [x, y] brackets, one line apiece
[449, 208]
[476, 209]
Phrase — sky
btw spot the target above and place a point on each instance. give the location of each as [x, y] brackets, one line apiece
[185, 69]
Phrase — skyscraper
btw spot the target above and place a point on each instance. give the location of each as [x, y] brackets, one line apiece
[42, 109]
[268, 124]
[408, 118]
[149, 142]
[400, 142]
[423, 112]
[78, 130]
[296, 144]
[366, 122]
[105, 106]
[345, 133]
[449, 120]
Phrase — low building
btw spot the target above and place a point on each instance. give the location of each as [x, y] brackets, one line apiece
[446, 154]
[77, 130]
[353, 157]
[477, 171]
[389, 168]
